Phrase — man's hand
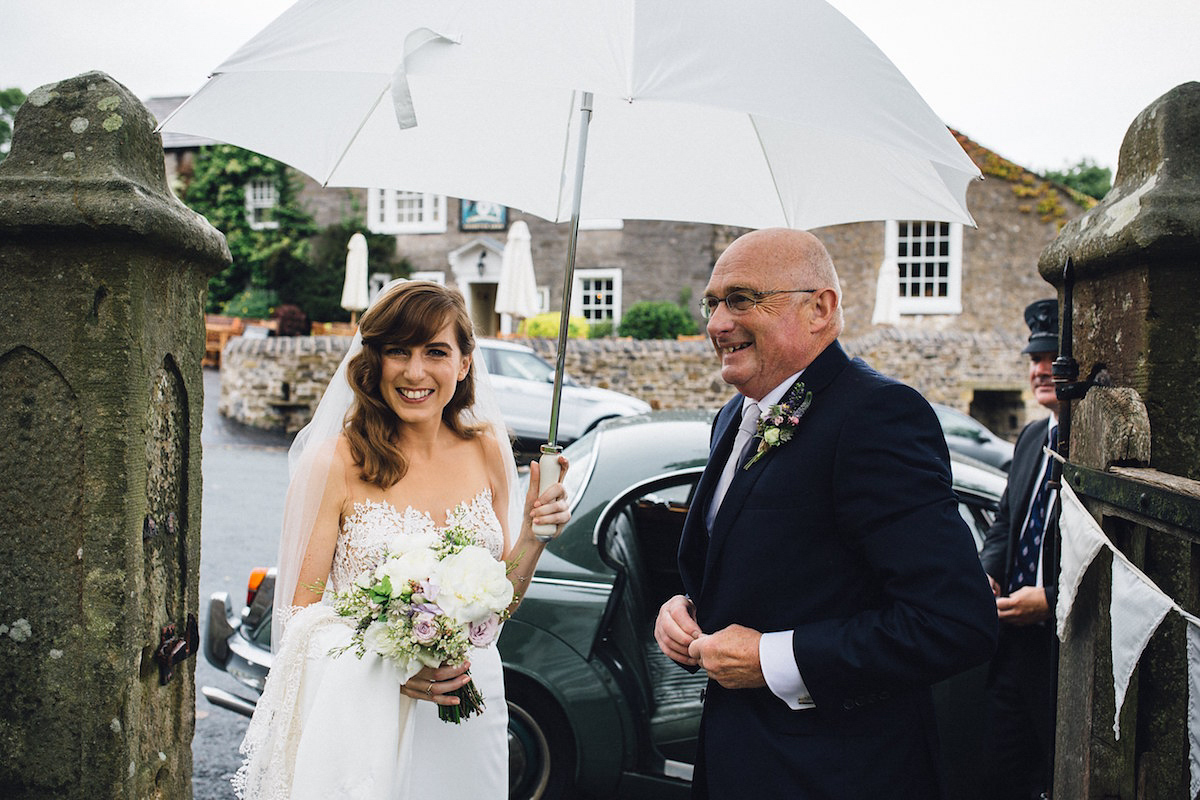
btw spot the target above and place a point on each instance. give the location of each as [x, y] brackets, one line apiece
[676, 628]
[730, 657]
[1025, 606]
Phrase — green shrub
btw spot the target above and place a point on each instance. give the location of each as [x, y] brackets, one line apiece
[545, 326]
[601, 329]
[656, 320]
[251, 303]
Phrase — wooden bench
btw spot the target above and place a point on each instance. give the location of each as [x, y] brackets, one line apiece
[332, 329]
[217, 331]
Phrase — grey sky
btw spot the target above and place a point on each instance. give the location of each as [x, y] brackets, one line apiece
[1041, 82]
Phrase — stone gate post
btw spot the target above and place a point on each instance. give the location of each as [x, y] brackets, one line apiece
[1135, 452]
[102, 281]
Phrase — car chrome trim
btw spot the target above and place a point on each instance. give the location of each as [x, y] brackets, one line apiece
[223, 699]
[663, 478]
[591, 467]
[678, 769]
[597, 585]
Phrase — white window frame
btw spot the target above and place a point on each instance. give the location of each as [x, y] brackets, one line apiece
[948, 233]
[433, 276]
[261, 199]
[577, 292]
[385, 215]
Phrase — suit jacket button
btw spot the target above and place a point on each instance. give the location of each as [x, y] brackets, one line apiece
[848, 704]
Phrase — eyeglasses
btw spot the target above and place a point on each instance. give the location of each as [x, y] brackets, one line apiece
[740, 301]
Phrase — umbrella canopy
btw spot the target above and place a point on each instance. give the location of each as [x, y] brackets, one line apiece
[355, 294]
[756, 113]
[516, 293]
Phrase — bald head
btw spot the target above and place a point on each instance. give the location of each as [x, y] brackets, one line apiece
[797, 312]
[796, 257]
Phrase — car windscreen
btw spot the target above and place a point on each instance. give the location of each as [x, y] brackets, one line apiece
[580, 455]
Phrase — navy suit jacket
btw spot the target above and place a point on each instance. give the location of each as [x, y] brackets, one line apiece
[849, 536]
[1005, 531]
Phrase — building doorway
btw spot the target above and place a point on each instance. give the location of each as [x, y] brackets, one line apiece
[483, 308]
[1001, 410]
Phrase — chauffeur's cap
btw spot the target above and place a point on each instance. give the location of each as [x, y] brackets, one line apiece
[1042, 318]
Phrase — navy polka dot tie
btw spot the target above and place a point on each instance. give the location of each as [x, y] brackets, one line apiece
[1029, 548]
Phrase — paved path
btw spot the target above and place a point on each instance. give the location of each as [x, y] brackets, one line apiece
[245, 477]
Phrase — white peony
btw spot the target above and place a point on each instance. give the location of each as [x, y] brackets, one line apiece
[400, 543]
[415, 565]
[472, 585]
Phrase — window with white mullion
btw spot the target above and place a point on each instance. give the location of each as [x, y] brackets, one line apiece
[396, 211]
[596, 295]
[928, 257]
[260, 204]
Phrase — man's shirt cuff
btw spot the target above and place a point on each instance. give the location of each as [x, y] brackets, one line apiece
[779, 668]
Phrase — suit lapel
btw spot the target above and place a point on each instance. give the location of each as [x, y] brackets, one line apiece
[693, 545]
[817, 376]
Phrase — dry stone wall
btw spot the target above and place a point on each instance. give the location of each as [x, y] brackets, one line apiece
[275, 383]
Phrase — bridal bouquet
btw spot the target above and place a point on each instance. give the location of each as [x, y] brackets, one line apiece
[429, 601]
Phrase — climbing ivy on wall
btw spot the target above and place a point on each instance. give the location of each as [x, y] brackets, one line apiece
[264, 257]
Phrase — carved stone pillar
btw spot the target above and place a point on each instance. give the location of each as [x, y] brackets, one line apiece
[102, 280]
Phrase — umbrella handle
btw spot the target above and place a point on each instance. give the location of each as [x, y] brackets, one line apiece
[549, 472]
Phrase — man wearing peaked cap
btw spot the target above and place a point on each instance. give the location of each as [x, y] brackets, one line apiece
[1022, 565]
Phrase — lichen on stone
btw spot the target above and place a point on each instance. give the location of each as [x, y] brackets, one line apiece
[20, 630]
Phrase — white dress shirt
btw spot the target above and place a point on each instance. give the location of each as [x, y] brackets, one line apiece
[775, 649]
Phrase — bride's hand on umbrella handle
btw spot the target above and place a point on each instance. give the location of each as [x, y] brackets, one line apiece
[438, 685]
[547, 511]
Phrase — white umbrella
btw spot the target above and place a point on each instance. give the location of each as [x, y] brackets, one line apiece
[755, 113]
[516, 293]
[355, 294]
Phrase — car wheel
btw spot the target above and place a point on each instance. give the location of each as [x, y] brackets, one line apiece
[540, 748]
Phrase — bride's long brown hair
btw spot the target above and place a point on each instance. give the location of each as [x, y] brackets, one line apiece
[409, 315]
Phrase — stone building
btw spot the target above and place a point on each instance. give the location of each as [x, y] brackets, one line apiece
[945, 289]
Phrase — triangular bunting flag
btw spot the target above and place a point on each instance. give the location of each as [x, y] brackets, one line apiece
[1082, 538]
[1193, 662]
[1138, 606]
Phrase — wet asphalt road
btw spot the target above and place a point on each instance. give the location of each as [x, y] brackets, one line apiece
[245, 477]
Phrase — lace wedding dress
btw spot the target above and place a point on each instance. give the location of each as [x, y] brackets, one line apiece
[329, 727]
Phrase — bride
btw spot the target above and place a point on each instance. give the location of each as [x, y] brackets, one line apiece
[407, 439]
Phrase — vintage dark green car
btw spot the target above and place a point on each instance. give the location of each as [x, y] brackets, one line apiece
[595, 709]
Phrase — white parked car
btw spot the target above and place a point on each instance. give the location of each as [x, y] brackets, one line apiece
[524, 385]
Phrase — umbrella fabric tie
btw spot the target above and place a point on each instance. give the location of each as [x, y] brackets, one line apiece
[406, 115]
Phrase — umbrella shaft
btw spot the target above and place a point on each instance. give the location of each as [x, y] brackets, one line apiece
[585, 117]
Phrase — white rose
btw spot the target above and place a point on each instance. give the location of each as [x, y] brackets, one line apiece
[472, 585]
[414, 566]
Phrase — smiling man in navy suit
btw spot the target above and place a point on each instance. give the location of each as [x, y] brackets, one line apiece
[830, 578]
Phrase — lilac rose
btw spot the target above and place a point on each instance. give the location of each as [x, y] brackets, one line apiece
[425, 629]
[483, 633]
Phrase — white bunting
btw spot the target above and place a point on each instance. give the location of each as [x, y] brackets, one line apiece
[1193, 662]
[1137, 608]
[1082, 539]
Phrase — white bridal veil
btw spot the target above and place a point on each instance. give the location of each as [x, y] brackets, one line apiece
[312, 452]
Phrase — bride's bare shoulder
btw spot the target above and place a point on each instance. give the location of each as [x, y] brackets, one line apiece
[494, 454]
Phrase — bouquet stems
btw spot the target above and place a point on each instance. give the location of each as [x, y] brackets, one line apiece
[470, 701]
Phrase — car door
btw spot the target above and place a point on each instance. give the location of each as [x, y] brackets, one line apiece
[638, 535]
